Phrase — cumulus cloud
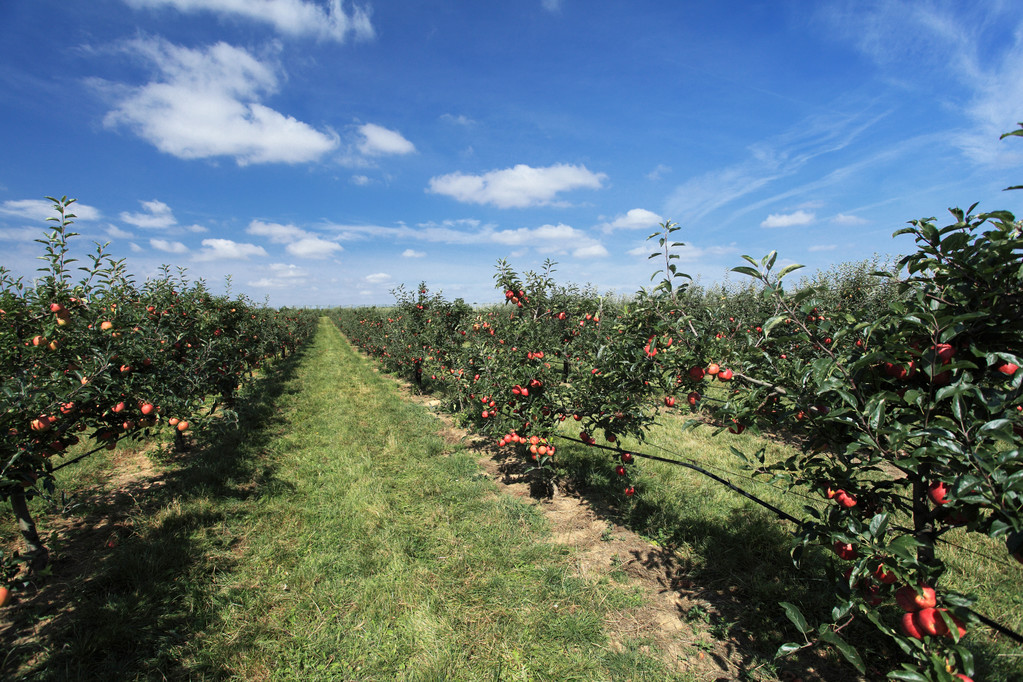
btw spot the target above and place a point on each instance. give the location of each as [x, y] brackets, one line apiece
[360, 180]
[822, 247]
[281, 275]
[168, 246]
[379, 141]
[205, 104]
[635, 219]
[226, 249]
[411, 253]
[115, 232]
[590, 251]
[41, 209]
[559, 238]
[377, 278]
[788, 219]
[313, 247]
[517, 187]
[296, 18]
[155, 214]
[300, 243]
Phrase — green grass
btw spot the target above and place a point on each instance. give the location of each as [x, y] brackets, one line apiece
[336, 536]
[738, 552]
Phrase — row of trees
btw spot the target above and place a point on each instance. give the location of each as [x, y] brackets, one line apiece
[901, 388]
[90, 358]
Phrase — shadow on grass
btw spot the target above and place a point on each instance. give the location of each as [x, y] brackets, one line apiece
[134, 578]
[729, 572]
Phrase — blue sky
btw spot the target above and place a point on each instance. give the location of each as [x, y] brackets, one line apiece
[323, 152]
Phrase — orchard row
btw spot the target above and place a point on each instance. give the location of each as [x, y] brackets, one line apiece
[91, 361]
[914, 370]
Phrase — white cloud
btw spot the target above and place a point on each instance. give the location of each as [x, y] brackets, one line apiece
[461, 119]
[360, 180]
[206, 104]
[559, 238]
[41, 209]
[516, 187]
[196, 228]
[295, 18]
[977, 61]
[551, 5]
[313, 247]
[21, 234]
[591, 251]
[658, 172]
[379, 141]
[822, 247]
[168, 246]
[114, 232]
[281, 275]
[226, 249]
[275, 232]
[635, 219]
[156, 214]
[788, 219]
[780, 156]
[411, 253]
[300, 243]
[689, 253]
[377, 278]
[844, 219]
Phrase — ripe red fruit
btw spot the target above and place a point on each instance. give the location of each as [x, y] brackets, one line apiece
[5, 595]
[696, 373]
[693, 398]
[713, 369]
[845, 550]
[930, 622]
[626, 457]
[944, 352]
[845, 500]
[909, 599]
[1007, 368]
[620, 470]
[883, 575]
[669, 401]
[725, 375]
[630, 491]
[937, 491]
[909, 626]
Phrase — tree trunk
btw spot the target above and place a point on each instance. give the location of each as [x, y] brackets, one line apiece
[37, 554]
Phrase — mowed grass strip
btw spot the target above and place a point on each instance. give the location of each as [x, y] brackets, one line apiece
[388, 555]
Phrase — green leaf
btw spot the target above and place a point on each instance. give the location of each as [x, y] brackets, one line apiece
[743, 270]
[789, 268]
[907, 676]
[787, 649]
[846, 649]
[796, 616]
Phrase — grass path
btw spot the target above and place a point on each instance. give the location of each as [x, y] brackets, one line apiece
[382, 553]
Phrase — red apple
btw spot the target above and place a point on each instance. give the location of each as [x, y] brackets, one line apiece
[937, 491]
[909, 599]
